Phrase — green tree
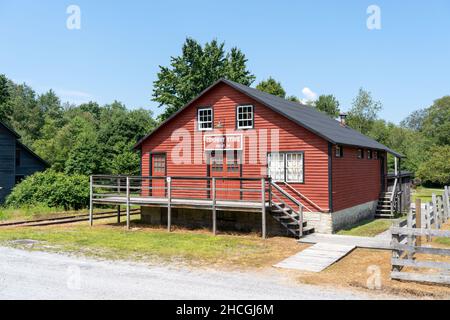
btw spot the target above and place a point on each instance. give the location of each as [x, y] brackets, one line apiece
[328, 104]
[272, 86]
[5, 111]
[364, 111]
[86, 155]
[436, 169]
[437, 122]
[293, 99]
[415, 120]
[196, 69]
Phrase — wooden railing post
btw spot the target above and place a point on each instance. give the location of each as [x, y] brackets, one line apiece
[91, 201]
[396, 254]
[270, 191]
[214, 213]
[446, 203]
[128, 203]
[263, 208]
[300, 221]
[169, 204]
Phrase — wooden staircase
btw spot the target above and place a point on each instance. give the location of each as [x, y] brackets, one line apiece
[282, 210]
[384, 207]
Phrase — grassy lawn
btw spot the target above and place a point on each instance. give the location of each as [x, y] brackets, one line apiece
[155, 245]
[368, 228]
[425, 193]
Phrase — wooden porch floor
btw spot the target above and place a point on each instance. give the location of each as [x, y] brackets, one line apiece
[183, 203]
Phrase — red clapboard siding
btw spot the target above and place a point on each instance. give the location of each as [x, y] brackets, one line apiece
[224, 99]
[355, 181]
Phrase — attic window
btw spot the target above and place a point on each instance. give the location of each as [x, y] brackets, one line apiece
[244, 117]
[205, 119]
[369, 154]
[360, 153]
[339, 152]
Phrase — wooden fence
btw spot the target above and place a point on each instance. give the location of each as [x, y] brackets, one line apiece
[408, 236]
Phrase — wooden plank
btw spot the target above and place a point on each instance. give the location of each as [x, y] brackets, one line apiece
[421, 264]
[418, 217]
[420, 232]
[359, 242]
[316, 258]
[426, 250]
[430, 278]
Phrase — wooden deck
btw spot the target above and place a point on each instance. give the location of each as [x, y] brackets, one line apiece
[183, 203]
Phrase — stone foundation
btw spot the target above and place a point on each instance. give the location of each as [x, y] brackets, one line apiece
[332, 223]
[200, 219]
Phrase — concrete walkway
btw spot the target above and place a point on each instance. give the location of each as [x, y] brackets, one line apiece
[359, 242]
[316, 258]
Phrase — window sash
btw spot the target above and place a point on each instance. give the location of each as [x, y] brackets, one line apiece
[244, 117]
[205, 119]
[276, 167]
[294, 167]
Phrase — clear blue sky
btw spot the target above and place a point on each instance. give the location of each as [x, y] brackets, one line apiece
[321, 45]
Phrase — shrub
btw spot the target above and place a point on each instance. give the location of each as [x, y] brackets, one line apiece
[52, 189]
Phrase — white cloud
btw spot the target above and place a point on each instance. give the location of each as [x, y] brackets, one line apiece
[73, 96]
[308, 95]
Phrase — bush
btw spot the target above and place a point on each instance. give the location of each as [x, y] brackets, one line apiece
[52, 189]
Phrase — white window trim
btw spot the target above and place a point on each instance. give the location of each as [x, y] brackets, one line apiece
[252, 117]
[285, 174]
[199, 123]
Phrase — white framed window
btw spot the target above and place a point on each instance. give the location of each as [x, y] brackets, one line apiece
[205, 119]
[286, 166]
[244, 115]
[294, 167]
[276, 166]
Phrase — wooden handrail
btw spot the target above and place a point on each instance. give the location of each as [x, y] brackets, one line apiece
[304, 197]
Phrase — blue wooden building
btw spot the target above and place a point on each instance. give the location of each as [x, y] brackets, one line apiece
[16, 160]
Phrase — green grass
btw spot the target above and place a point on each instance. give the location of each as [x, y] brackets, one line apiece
[444, 241]
[425, 193]
[368, 228]
[147, 244]
[27, 212]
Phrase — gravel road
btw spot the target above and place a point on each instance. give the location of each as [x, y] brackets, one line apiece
[40, 275]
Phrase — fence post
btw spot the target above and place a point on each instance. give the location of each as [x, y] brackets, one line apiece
[91, 201]
[395, 241]
[169, 204]
[427, 220]
[410, 225]
[128, 203]
[446, 203]
[263, 207]
[214, 213]
[418, 221]
[435, 211]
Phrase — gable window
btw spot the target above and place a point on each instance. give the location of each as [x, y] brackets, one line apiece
[369, 154]
[360, 153]
[244, 117]
[205, 119]
[375, 155]
[339, 151]
[286, 166]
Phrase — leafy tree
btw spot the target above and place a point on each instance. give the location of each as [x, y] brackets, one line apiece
[415, 120]
[5, 111]
[86, 155]
[364, 111]
[272, 86]
[293, 99]
[437, 122]
[196, 69]
[436, 169]
[328, 104]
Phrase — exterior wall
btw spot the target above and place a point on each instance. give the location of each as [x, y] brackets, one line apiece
[29, 164]
[224, 100]
[355, 181]
[7, 162]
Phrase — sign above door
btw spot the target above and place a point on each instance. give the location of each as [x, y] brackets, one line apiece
[223, 142]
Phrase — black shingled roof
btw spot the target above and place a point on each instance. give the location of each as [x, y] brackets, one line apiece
[305, 116]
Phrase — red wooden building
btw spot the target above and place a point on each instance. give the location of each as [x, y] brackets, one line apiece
[238, 145]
